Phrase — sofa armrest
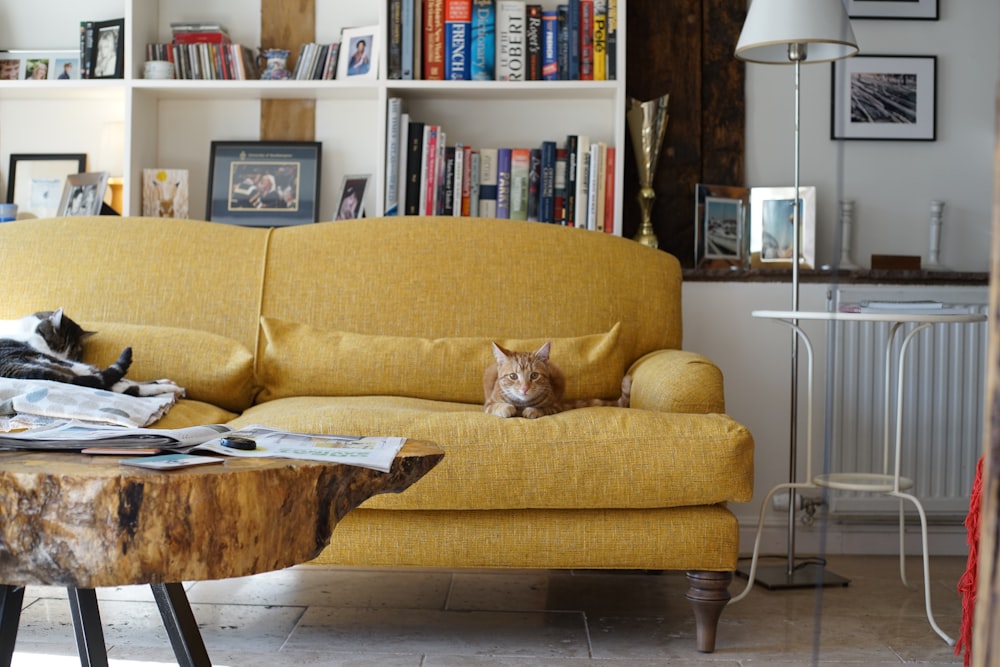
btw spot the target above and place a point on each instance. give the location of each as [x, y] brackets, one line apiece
[677, 381]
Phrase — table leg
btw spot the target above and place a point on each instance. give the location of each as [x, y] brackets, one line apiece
[11, 599]
[87, 626]
[189, 649]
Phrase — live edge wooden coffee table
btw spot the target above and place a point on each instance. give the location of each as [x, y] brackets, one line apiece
[83, 522]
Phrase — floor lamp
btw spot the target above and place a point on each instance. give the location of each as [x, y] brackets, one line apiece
[792, 32]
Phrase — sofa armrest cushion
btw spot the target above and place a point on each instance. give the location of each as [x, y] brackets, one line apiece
[677, 381]
[211, 368]
[302, 360]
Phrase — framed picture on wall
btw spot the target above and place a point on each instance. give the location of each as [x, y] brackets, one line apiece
[884, 98]
[772, 227]
[926, 10]
[35, 181]
[720, 226]
[264, 183]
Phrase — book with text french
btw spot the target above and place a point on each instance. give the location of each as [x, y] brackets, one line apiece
[457, 28]
[503, 182]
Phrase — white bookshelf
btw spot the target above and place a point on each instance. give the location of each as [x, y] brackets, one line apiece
[172, 123]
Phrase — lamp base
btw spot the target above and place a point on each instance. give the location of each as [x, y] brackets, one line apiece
[804, 575]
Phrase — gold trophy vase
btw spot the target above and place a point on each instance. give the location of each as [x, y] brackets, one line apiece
[647, 124]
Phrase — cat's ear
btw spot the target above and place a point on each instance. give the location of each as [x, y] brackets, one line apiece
[56, 317]
[500, 354]
[542, 353]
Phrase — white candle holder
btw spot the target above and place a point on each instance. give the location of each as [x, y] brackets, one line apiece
[846, 225]
[934, 242]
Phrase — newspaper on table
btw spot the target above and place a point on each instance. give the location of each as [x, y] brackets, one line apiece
[376, 452]
[72, 434]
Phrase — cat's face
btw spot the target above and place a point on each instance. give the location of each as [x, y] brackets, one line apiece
[524, 378]
[63, 336]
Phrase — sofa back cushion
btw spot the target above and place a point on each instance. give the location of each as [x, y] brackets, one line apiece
[300, 360]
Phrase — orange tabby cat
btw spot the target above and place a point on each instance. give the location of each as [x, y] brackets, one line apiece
[530, 385]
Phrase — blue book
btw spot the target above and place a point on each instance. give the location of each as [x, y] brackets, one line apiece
[407, 40]
[457, 26]
[503, 183]
[547, 186]
[550, 46]
[562, 42]
[483, 41]
[573, 40]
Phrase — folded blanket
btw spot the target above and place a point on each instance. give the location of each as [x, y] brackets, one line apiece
[25, 401]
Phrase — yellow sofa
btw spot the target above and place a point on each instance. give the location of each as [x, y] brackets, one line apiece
[382, 326]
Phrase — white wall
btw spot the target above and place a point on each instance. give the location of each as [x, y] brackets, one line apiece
[892, 182]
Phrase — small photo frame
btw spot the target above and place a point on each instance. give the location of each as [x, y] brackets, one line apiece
[39, 65]
[925, 10]
[264, 183]
[352, 197]
[35, 181]
[772, 228]
[720, 224]
[165, 193]
[108, 56]
[83, 194]
[885, 98]
[358, 57]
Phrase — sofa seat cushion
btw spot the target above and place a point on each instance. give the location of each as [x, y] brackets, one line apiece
[588, 458]
[186, 413]
[302, 360]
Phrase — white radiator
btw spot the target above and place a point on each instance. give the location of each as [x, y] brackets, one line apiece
[943, 403]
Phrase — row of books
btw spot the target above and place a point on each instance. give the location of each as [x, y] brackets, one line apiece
[316, 62]
[204, 50]
[502, 40]
[570, 184]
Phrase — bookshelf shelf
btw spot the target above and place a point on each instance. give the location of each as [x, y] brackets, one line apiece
[171, 124]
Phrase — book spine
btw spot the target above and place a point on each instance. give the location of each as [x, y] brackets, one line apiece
[511, 54]
[550, 40]
[457, 25]
[520, 173]
[406, 40]
[395, 113]
[597, 180]
[414, 166]
[612, 40]
[562, 42]
[428, 163]
[503, 182]
[573, 40]
[559, 183]
[582, 180]
[447, 204]
[609, 192]
[586, 40]
[482, 66]
[433, 31]
[201, 37]
[534, 184]
[488, 182]
[458, 172]
[394, 68]
[533, 40]
[547, 183]
[572, 143]
[401, 165]
[86, 49]
[600, 40]
[474, 176]
[439, 180]
[466, 181]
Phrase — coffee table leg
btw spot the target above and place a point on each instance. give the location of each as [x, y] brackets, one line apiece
[189, 649]
[11, 599]
[87, 626]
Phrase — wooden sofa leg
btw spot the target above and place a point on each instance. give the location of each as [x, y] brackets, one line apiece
[708, 595]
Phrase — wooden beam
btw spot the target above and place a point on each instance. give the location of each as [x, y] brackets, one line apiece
[287, 24]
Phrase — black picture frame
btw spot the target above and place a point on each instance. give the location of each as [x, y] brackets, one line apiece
[107, 55]
[884, 98]
[722, 226]
[910, 10]
[35, 181]
[264, 183]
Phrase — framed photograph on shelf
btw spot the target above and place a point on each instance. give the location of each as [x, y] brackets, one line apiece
[83, 194]
[720, 226]
[165, 193]
[926, 10]
[40, 65]
[352, 197]
[885, 98]
[358, 58]
[264, 183]
[772, 228]
[108, 56]
[35, 181]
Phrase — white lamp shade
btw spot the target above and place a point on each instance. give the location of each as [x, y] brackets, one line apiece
[772, 25]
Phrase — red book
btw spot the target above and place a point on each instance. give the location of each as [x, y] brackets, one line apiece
[433, 57]
[609, 192]
[586, 40]
[200, 37]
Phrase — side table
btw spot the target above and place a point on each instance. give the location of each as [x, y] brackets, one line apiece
[890, 481]
[86, 521]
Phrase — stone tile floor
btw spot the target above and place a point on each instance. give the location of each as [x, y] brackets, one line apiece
[311, 616]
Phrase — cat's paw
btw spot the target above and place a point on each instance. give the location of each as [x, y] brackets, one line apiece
[161, 386]
[502, 410]
[535, 413]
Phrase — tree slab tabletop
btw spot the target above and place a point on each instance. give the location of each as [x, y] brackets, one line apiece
[70, 519]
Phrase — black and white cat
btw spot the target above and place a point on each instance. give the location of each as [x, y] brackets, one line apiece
[48, 345]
